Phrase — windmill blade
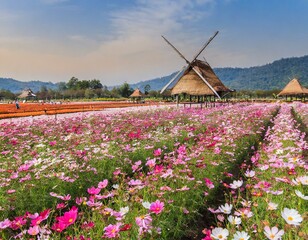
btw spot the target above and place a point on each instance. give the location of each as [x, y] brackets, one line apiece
[204, 46]
[179, 74]
[206, 82]
[175, 49]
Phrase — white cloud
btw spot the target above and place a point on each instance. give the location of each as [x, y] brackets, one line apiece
[134, 50]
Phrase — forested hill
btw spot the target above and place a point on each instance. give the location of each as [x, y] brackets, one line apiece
[16, 86]
[270, 76]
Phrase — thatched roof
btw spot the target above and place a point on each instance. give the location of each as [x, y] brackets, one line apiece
[190, 83]
[137, 93]
[293, 88]
[27, 94]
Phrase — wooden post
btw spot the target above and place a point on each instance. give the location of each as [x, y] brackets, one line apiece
[177, 100]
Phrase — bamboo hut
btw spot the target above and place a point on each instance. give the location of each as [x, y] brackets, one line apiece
[191, 83]
[137, 96]
[294, 89]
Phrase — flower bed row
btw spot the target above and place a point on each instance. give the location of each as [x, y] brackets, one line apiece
[131, 176]
[34, 109]
[270, 201]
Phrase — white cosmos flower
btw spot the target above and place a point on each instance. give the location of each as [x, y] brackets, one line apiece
[124, 210]
[226, 209]
[241, 236]
[220, 233]
[273, 233]
[236, 184]
[303, 180]
[146, 205]
[250, 173]
[291, 216]
[272, 206]
[234, 220]
[301, 195]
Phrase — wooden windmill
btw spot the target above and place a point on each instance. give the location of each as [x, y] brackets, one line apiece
[197, 78]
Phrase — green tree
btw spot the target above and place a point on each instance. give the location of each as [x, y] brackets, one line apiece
[61, 86]
[125, 90]
[95, 84]
[147, 88]
[83, 84]
[72, 83]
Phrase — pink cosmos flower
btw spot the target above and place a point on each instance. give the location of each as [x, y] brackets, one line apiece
[65, 198]
[38, 219]
[112, 231]
[217, 150]
[273, 233]
[80, 200]
[136, 165]
[208, 183]
[93, 190]
[103, 184]
[158, 169]
[5, 224]
[157, 207]
[151, 163]
[18, 222]
[207, 234]
[144, 222]
[52, 143]
[135, 182]
[69, 217]
[60, 205]
[87, 225]
[157, 152]
[34, 230]
[59, 226]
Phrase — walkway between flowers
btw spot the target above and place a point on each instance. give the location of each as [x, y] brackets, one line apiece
[270, 200]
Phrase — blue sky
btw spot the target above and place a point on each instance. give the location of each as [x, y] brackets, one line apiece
[120, 40]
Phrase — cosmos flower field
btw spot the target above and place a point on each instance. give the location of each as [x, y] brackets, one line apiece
[230, 172]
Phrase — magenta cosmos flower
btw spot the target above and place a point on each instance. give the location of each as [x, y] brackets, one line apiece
[157, 207]
[93, 190]
[70, 216]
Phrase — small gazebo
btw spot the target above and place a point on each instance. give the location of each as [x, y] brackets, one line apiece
[137, 96]
[294, 89]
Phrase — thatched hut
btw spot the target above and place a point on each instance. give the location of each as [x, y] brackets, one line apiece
[27, 94]
[294, 89]
[137, 95]
[191, 83]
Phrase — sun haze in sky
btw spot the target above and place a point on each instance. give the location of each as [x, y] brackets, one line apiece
[120, 40]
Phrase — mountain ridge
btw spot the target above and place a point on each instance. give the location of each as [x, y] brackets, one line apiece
[269, 76]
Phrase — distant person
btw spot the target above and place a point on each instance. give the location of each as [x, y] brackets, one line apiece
[17, 104]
